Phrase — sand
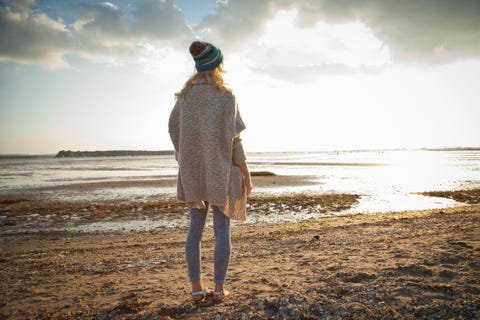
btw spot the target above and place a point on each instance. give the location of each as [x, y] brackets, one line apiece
[406, 265]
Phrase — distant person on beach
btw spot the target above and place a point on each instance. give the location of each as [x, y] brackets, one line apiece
[205, 127]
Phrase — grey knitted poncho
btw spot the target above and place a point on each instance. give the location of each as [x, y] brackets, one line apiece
[205, 130]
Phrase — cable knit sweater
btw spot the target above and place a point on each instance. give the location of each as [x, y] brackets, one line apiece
[205, 130]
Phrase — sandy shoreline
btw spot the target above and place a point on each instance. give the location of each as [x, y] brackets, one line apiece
[408, 265]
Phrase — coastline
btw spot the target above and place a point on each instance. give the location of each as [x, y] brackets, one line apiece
[413, 264]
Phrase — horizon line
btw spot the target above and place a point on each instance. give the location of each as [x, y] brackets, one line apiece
[457, 148]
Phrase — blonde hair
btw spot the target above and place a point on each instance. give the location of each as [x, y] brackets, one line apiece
[212, 77]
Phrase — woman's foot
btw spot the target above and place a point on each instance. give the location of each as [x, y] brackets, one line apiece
[199, 292]
[199, 296]
[219, 296]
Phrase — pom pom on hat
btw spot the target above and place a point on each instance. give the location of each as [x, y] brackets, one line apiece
[206, 55]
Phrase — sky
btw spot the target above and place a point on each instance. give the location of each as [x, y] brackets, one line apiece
[308, 75]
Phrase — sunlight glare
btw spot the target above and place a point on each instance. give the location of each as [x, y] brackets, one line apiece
[416, 170]
[351, 44]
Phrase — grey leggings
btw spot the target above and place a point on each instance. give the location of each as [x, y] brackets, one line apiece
[221, 227]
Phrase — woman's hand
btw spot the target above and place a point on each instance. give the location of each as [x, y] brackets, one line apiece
[247, 179]
[248, 184]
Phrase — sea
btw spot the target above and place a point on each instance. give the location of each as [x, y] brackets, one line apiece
[386, 180]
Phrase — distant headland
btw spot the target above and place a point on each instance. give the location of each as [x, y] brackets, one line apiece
[111, 153]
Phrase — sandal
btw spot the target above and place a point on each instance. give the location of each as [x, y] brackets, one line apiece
[219, 296]
[200, 296]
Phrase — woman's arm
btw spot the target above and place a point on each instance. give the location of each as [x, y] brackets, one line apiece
[240, 159]
[174, 127]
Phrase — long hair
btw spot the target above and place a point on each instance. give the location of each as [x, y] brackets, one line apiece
[212, 77]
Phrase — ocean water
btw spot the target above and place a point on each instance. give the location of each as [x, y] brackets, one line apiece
[386, 180]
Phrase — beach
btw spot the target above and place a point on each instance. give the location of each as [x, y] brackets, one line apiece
[357, 122]
[395, 265]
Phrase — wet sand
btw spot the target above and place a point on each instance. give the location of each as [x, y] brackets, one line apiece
[56, 208]
[407, 265]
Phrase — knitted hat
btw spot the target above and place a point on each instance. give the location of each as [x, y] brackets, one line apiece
[206, 55]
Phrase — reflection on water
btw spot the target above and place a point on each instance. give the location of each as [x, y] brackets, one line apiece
[387, 186]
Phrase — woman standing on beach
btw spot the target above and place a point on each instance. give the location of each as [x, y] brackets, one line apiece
[205, 127]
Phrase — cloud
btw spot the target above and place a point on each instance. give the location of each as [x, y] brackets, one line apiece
[287, 51]
[236, 21]
[426, 30]
[29, 35]
[21, 5]
[159, 20]
[151, 19]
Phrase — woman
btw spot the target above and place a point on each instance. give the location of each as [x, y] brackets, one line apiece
[205, 127]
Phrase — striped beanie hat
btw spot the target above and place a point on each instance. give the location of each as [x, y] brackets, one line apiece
[206, 55]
